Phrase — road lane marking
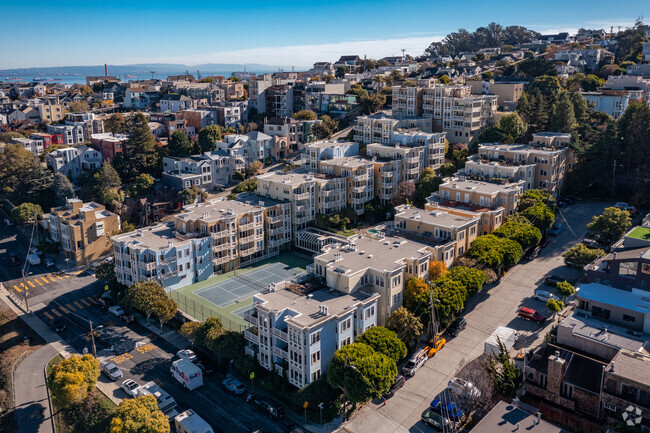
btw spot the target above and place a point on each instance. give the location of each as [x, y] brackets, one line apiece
[45, 280]
[56, 312]
[78, 305]
[16, 288]
[31, 284]
[48, 315]
[70, 307]
[91, 300]
[23, 286]
[50, 277]
[63, 309]
[58, 277]
[38, 282]
[86, 303]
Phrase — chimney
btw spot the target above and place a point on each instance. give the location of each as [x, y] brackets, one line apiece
[105, 70]
[555, 372]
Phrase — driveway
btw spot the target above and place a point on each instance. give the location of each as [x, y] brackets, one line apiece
[493, 307]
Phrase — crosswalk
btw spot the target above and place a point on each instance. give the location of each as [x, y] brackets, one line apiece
[38, 281]
[66, 308]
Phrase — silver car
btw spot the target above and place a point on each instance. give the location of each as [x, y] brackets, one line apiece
[130, 386]
[112, 371]
[544, 295]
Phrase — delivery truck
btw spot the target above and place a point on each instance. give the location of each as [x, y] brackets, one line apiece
[187, 373]
[190, 422]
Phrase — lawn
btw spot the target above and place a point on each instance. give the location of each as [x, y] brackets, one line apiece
[640, 233]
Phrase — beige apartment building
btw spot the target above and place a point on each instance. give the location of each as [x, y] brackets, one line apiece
[360, 179]
[83, 229]
[370, 265]
[50, 113]
[410, 159]
[380, 127]
[387, 178]
[448, 235]
[490, 202]
[539, 167]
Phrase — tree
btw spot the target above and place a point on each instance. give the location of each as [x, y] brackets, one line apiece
[450, 298]
[340, 72]
[7, 137]
[304, 115]
[25, 213]
[115, 124]
[427, 184]
[580, 256]
[554, 306]
[447, 169]
[144, 296]
[143, 184]
[405, 192]
[374, 102]
[139, 415]
[330, 123]
[210, 332]
[179, 144]
[416, 293]
[165, 308]
[436, 269]
[254, 168]
[105, 272]
[523, 232]
[321, 131]
[563, 118]
[405, 324]
[105, 180]
[507, 377]
[71, 379]
[189, 330]
[540, 215]
[494, 252]
[383, 341]
[144, 156]
[78, 107]
[21, 176]
[62, 189]
[359, 91]
[565, 289]
[189, 195]
[230, 345]
[472, 279]
[361, 372]
[513, 126]
[610, 226]
[444, 79]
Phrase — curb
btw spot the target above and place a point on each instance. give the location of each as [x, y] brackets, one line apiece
[49, 396]
[13, 385]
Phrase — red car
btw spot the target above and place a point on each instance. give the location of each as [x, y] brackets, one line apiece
[545, 241]
[530, 314]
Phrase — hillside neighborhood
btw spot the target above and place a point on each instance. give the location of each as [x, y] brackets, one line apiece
[455, 240]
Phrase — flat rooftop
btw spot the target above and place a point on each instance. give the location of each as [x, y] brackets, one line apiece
[216, 210]
[600, 293]
[640, 232]
[329, 144]
[506, 418]
[348, 161]
[308, 307]
[436, 217]
[381, 254]
[480, 186]
[500, 147]
[293, 178]
[630, 365]
[155, 237]
[605, 333]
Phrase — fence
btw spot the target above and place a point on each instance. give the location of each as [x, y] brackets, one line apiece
[200, 312]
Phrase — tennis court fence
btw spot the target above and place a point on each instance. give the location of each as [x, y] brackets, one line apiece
[200, 312]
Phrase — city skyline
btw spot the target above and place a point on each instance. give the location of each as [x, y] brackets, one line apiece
[287, 34]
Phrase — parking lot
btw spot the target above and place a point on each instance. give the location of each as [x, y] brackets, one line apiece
[493, 307]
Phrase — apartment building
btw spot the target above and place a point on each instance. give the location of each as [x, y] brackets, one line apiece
[410, 159]
[360, 179]
[83, 229]
[631, 83]
[505, 91]
[33, 145]
[374, 266]
[380, 127]
[295, 331]
[252, 146]
[539, 167]
[448, 235]
[174, 103]
[433, 143]
[327, 149]
[232, 90]
[295, 131]
[72, 134]
[297, 189]
[612, 102]
[73, 161]
[50, 113]
[48, 139]
[387, 178]
[109, 144]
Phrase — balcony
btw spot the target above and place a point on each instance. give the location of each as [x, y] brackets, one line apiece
[302, 196]
[221, 234]
[274, 219]
[387, 174]
[329, 192]
[361, 178]
[247, 239]
[281, 334]
[245, 227]
[278, 369]
[250, 351]
[281, 353]
[248, 335]
[222, 260]
[252, 318]
[276, 231]
[148, 266]
[276, 242]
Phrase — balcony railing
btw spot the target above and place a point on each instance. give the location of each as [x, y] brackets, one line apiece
[274, 219]
[222, 260]
[221, 247]
[281, 353]
[248, 335]
[276, 231]
[252, 318]
[279, 369]
[282, 335]
[248, 226]
[250, 351]
[302, 196]
[148, 266]
[277, 242]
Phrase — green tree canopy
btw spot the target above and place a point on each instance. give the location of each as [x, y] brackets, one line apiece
[179, 144]
[142, 185]
[564, 288]
[472, 279]
[144, 156]
[374, 102]
[523, 232]
[304, 115]
[26, 212]
[494, 252]
[145, 296]
[139, 415]
[115, 124]
[189, 195]
[405, 324]
[580, 256]
[384, 341]
[427, 184]
[208, 137]
[416, 295]
[165, 308]
[563, 118]
[540, 215]
[78, 107]
[105, 272]
[513, 126]
[71, 379]
[610, 226]
[189, 330]
[449, 296]
[105, 179]
[62, 188]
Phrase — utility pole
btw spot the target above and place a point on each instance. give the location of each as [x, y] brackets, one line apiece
[614, 179]
[92, 338]
[25, 293]
[434, 325]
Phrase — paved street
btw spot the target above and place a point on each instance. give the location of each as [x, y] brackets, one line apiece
[491, 308]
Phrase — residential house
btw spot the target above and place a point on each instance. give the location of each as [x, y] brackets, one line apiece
[327, 149]
[173, 103]
[72, 134]
[295, 131]
[612, 102]
[349, 63]
[34, 145]
[49, 113]
[73, 161]
[110, 144]
[380, 127]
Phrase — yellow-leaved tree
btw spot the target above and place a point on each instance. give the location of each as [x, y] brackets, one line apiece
[139, 415]
[71, 379]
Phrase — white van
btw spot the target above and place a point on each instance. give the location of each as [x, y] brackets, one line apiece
[416, 361]
[187, 373]
[190, 422]
[33, 259]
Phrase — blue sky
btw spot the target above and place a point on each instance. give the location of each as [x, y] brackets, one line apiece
[47, 33]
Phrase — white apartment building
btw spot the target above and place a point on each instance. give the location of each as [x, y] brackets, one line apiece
[360, 179]
[298, 331]
[33, 145]
[433, 142]
[73, 161]
[380, 127]
[327, 149]
[411, 159]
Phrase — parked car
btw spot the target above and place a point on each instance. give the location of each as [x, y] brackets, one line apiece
[15, 260]
[435, 420]
[33, 259]
[48, 262]
[205, 370]
[234, 386]
[530, 314]
[130, 386]
[187, 354]
[35, 251]
[624, 206]
[545, 241]
[556, 229]
[553, 280]
[116, 310]
[447, 410]
[544, 295]
[590, 243]
[112, 371]
[532, 253]
[58, 325]
[462, 387]
[399, 382]
[435, 346]
[456, 326]
[270, 409]
[416, 361]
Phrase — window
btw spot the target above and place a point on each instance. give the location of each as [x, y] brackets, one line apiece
[645, 268]
[627, 269]
[370, 312]
[315, 337]
[345, 325]
[600, 312]
[315, 357]
[397, 297]
[567, 391]
[629, 392]
[315, 375]
[629, 318]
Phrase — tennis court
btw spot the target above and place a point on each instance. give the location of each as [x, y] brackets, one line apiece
[246, 283]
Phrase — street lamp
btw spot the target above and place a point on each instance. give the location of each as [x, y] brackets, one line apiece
[25, 288]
